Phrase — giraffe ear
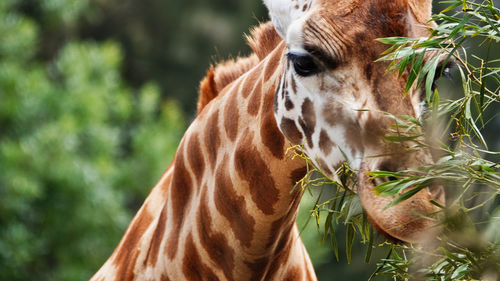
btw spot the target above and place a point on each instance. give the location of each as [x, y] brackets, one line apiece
[422, 9]
[284, 12]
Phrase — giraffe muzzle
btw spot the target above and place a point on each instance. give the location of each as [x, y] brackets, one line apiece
[413, 220]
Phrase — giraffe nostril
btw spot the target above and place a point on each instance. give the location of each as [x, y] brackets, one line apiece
[391, 178]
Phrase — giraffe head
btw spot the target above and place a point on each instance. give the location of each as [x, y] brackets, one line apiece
[333, 97]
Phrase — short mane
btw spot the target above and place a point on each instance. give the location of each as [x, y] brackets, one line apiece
[263, 39]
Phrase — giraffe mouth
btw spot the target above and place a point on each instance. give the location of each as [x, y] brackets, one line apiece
[409, 221]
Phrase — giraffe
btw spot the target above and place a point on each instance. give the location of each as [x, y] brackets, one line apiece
[224, 209]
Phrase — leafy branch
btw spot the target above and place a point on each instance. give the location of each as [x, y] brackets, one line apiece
[469, 247]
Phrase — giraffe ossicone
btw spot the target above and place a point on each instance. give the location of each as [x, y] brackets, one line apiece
[223, 210]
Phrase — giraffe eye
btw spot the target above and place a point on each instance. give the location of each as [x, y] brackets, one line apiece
[443, 70]
[303, 64]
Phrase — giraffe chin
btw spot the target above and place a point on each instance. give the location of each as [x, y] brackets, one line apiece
[410, 221]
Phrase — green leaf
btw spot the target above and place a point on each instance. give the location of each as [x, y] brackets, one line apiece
[369, 248]
[433, 63]
[405, 196]
[460, 272]
[349, 241]
[451, 7]
[333, 239]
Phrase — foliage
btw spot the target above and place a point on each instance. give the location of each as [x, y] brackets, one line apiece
[468, 248]
[77, 148]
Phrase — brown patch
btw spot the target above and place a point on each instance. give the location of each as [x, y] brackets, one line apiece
[232, 206]
[267, 267]
[127, 253]
[304, 8]
[269, 132]
[354, 137]
[293, 84]
[231, 116]
[212, 138]
[158, 235]
[192, 265]
[195, 157]
[215, 243]
[278, 244]
[388, 19]
[332, 114]
[255, 100]
[180, 194]
[368, 71]
[274, 231]
[308, 132]
[249, 83]
[308, 120]
[271, 66]
[252, 168]
[291, 131]
[297, 175]
[373, 132]
[288, 103]
[258, 268]
[324, 167]
[325, 143]
[281, 255]
[294, 273]
[164, 277]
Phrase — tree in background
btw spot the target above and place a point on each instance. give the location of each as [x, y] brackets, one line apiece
[78, 148]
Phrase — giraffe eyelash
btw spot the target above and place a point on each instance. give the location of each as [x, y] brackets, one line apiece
[303, 64]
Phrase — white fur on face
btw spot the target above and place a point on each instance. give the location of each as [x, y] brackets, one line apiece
[284, 12]
[323, 90]
[329, 98]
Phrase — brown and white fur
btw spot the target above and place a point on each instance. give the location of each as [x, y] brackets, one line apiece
[224, 209]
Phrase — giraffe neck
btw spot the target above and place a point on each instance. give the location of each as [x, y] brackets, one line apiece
[225, 209]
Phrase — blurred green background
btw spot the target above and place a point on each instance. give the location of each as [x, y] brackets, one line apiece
[94, 97]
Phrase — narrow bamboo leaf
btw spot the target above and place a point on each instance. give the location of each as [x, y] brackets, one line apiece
[467, 112]
[328, 224]
[435, 105]
[402, 65]
[394, 40]
[381, 266]
[381, 174]
[349, 241]
[451, 7]
[398, 186]
[370, 246]
[333, 239]
[460, 272]
[414, 70]
[493, 26]
[459, 26]
[411, 119]
[430, 77]
[404, 196]
[354, 208]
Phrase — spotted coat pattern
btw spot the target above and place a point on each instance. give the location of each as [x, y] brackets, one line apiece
[224, 209]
